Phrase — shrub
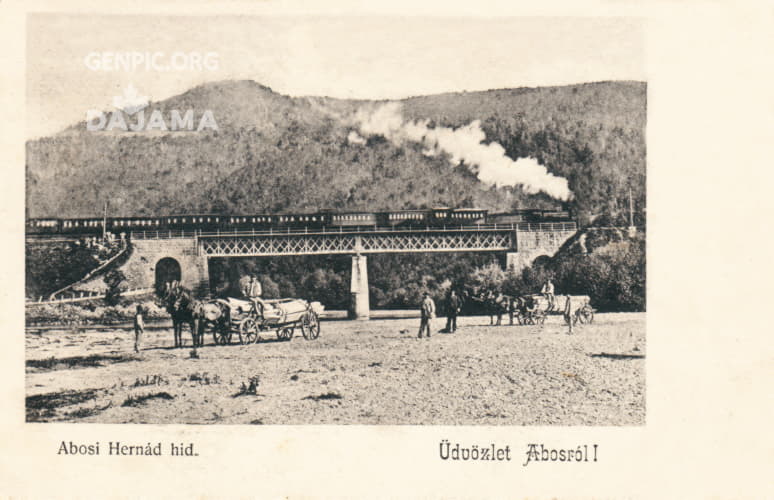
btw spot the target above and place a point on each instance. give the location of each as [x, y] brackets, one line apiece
[115, 280]
[612, 273]
[251, 388]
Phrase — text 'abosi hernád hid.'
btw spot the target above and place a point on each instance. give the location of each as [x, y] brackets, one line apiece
[117, 448]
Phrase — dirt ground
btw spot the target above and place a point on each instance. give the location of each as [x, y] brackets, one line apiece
[356, 372]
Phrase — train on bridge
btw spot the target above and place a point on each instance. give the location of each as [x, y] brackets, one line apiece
[435, 217]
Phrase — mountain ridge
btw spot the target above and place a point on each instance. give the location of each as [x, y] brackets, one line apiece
[273, 152]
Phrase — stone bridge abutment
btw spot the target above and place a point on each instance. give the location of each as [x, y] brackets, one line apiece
[175, 256]
[140, 269]
[533, 244]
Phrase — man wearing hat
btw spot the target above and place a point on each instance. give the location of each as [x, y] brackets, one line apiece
[427, 312]
[251, 289]
[453, 306]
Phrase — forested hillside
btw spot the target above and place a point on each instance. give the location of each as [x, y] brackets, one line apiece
[273, 153]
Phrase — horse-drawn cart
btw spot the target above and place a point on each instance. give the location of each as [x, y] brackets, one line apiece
[530, 309]
[243, 318]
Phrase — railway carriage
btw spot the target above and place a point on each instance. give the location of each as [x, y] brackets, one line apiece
[248, 222]
[468, 216]
[82, 226]
[202, 222]
[300, 220]
[439, 216]
[506, 218]
[127, 224]
[404, 218]
[43, 226]
[353, 219]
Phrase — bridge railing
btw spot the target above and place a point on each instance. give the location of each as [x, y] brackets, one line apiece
[523, 226]
[123, 248]
[84, 296]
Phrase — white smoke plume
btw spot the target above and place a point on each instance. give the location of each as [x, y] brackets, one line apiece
[463, 144]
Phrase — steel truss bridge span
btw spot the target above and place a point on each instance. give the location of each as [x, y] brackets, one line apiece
[248, 245]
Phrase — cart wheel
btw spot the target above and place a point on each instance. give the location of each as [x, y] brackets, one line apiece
[222, 336]
[590, 317]
[285, 333]
[310, 326]
[248, 331]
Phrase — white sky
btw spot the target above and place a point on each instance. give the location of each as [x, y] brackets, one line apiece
[348, 57]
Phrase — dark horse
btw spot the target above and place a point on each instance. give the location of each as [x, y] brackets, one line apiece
[184, 310]
[494, 304]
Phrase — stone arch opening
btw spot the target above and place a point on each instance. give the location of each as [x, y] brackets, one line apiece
[167, 270]
[542, 260]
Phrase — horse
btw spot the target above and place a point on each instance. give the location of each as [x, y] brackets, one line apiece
[495, 305]
[499, 305]
[184, 310]
[217, 315]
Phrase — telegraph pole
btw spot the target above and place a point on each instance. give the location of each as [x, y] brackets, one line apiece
[632, 228]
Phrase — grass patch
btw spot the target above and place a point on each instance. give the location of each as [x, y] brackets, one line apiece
[42, 407]
[203, 378]
[150, 380]
[87, 411]
[327, 395]
[617, 356]
[94, 360]
[141, 400]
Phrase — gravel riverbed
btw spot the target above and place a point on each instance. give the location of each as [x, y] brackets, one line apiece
[356, 372]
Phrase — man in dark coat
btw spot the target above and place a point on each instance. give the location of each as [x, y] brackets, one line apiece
[453, 307]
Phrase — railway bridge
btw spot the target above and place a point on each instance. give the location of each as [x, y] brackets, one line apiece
[159, 256]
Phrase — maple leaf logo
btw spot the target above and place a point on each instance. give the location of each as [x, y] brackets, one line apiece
[130, 102]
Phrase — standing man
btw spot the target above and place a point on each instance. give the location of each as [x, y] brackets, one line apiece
[568, 314]
[252, 290]
[548, 293]
[428, 313]
[453, 307]
[139, 328]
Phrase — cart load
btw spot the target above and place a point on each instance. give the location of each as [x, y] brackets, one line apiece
[533, 309]
[247, 319]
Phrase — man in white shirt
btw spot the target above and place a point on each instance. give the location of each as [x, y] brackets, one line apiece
[427, 312]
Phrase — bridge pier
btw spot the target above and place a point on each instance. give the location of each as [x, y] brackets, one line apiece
[512, 261]
[359, 306]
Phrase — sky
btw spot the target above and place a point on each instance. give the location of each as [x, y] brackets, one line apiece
[346, 57]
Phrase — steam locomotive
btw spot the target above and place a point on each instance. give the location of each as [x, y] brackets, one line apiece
[435, 217]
